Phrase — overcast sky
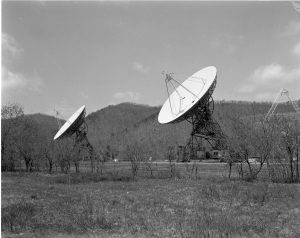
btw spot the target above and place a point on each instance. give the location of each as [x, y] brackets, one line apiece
[66, 54]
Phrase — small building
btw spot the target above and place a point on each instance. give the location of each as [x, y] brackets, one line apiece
[253, 159]
[219, 154]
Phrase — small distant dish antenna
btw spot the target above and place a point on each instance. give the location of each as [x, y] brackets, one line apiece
[283, 92]
[192, 101]
[77, 126]
[57, 114]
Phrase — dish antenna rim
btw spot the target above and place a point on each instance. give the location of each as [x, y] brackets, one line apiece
[209, 74]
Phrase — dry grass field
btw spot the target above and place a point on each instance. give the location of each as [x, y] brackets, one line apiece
[115, 205]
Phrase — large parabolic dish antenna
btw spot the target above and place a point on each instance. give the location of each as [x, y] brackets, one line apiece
[72, 124]
[192, 101]
[193, 91]
[76, 125]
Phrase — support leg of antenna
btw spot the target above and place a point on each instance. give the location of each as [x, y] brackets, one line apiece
[205, 128]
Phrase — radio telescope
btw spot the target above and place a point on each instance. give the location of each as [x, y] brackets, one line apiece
[283, 92]
[192, 101]
[76, 125]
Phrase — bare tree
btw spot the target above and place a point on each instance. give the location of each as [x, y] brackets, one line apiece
[101, 159]
[171, 156]
[250, 137]
[76, 156]
[11, 115]
[239, 142]
[49, 155]
[263, 141]
[26, 140]
[63, 154]
[12, 110]
[135, 154]
[288, 134]
[149, 165]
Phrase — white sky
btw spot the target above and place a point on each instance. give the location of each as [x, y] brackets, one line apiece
[65, 54]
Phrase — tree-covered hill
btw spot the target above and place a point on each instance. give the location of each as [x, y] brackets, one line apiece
[105, 124]
[113, 121]
[113, 128]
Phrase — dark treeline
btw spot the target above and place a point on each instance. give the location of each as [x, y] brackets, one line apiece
[128, 130]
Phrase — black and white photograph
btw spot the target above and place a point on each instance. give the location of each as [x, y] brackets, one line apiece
[166, 119]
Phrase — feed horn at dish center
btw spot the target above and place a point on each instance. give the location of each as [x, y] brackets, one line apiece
[192, 101]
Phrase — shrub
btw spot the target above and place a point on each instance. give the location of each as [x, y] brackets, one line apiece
[91, 217]
[89, 178]
[18, 216]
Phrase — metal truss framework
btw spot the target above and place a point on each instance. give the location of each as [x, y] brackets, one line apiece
[283, 92]
[82, 142]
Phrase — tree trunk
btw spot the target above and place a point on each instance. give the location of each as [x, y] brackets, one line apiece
[249, 166]
[260, 167]
[171, 170]
[230, 166]
[291, 167]
[30, 166]
[92, 164]
[76, 163]
[101, 163]
[270, 171]
[27, 164]
[50, 166]
[241, 170]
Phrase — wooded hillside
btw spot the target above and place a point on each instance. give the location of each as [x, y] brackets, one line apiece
[112, 129]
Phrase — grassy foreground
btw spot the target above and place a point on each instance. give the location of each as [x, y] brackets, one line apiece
[93, 205]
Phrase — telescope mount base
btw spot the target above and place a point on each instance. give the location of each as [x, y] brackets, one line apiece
[204, 128]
